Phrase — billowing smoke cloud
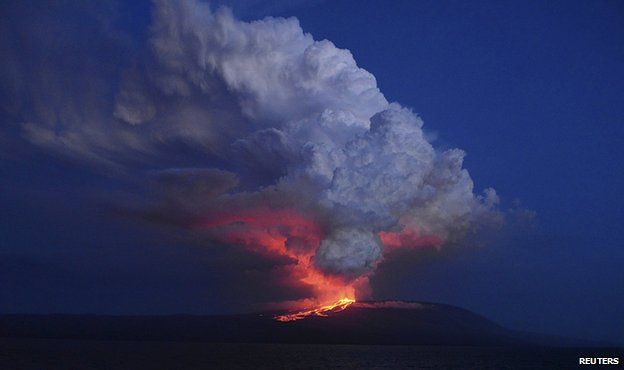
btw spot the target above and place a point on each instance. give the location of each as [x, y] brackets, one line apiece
[255, 134]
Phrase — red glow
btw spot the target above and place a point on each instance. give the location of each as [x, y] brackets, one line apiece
[288, 233]
[283, 233]
[408, 238]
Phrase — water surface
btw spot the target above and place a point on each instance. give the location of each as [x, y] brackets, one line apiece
[87, 354]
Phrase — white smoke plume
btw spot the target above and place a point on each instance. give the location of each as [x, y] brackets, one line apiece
[274, 120]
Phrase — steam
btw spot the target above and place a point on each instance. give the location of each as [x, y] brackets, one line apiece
[290, 145]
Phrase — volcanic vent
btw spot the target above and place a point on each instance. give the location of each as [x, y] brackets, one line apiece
[284, 147]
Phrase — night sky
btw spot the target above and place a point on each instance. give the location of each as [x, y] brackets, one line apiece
[530, 90]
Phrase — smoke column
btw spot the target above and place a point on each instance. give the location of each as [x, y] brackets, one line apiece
[295, 151]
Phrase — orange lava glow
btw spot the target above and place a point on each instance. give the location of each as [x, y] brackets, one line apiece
[322, 311]
[288, 233]
[283, 233]
[408, 238]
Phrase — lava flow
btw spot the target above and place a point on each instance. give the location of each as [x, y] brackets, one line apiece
[322, 311]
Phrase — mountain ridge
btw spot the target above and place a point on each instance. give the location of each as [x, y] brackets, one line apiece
[366, 322]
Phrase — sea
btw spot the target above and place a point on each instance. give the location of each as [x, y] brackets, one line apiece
[94, 354]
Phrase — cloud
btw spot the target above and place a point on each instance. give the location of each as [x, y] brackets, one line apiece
[349, 251]
[256, 134]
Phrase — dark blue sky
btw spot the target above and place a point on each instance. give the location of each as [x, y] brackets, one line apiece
[532, 90]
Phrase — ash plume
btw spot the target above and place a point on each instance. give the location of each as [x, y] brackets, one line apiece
[289, 147]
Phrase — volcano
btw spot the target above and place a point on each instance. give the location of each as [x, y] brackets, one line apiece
[379, 322]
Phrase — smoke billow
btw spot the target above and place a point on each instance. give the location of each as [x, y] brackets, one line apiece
[290, 147]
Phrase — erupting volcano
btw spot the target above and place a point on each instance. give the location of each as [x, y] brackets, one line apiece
[306, 163]
[252, 183]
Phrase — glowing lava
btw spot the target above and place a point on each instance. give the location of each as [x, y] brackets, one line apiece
[322, 311]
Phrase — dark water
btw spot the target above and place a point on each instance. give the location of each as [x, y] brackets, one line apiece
[74, 354]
